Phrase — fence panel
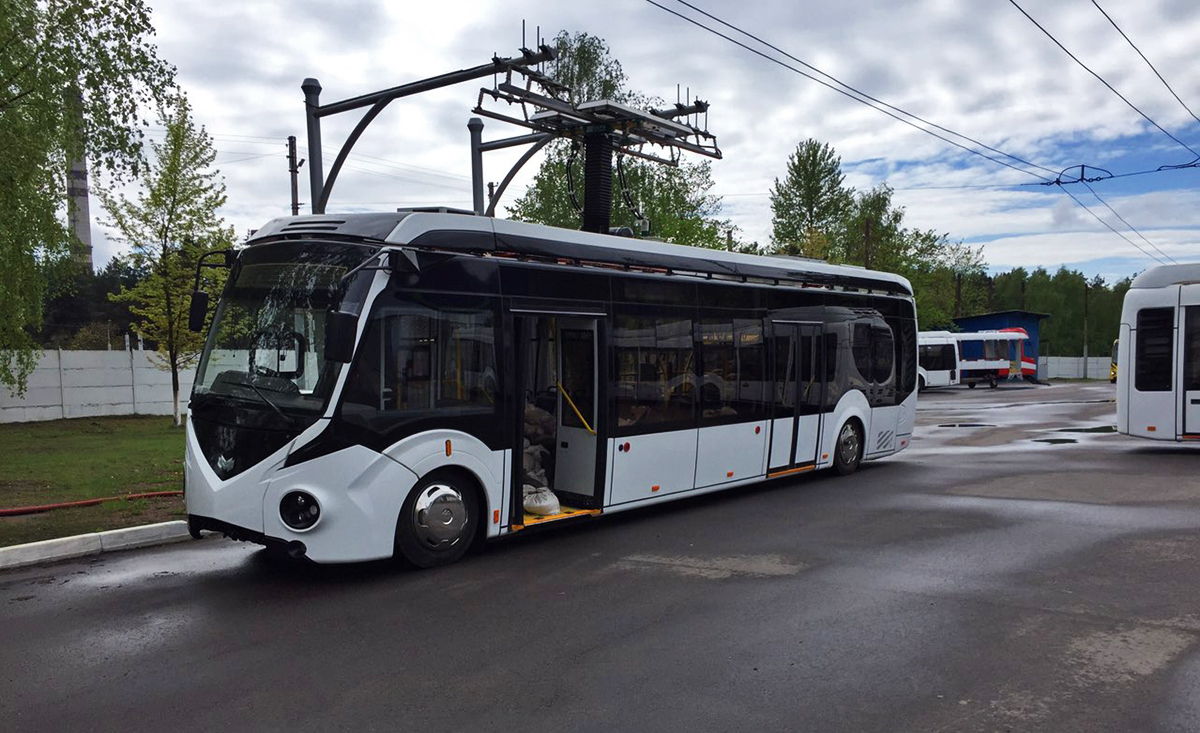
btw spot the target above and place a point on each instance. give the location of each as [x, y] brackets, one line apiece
[90, 383]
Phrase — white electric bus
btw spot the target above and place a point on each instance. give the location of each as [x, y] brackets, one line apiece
[380, 385]
[1158, 382]
[937, 361]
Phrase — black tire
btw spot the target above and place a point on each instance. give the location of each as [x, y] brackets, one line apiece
[920, 384]
[193, 528]
[992, 382]
[427, 541]
[848, 451]
[970, 385]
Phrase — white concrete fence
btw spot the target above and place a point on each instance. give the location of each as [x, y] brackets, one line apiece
[91, 383]
[1071, 367]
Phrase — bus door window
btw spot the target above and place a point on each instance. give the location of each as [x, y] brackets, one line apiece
[1191, 369]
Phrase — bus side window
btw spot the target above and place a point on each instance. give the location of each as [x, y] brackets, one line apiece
[1155, 342]
[860, 345]
[882, 355]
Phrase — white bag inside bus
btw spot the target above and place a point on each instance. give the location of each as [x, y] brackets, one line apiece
[541, 500]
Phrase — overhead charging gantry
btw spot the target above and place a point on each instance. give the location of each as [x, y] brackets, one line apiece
[601, 128]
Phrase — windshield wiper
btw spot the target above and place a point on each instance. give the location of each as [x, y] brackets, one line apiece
[270, 404]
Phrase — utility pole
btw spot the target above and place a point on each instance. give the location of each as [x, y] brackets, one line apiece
[294, 170]
[867, 243]
[958, 295]
[1085, 335]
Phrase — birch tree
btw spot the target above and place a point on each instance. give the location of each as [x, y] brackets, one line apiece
[169, 224]
[74, 75]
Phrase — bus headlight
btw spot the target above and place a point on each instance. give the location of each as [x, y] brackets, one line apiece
[299, 510]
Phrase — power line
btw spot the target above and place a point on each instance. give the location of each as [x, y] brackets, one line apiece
[1101, 79]
[857, 91]
[1139, 52]
[842, 91]
[401, 178]
[240, 160]
[1114, 231]
[1126, 223]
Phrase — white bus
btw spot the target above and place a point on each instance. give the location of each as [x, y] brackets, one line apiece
[455, 364]
[938, 357]
[1158, 350]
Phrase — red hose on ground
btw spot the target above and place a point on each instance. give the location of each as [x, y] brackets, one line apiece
[18, 511]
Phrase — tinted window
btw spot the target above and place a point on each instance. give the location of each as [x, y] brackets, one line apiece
[656, 371]
[906, 356]
[578, 378]
[731, 353]
[882, 355]
[860, 344]
[424, 359]
[1155, 349]
[1191, 349]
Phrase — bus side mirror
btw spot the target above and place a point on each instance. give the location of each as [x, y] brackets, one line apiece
[198, 311]
[340, 330]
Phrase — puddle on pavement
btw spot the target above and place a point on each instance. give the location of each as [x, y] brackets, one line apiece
[1055, 441]
[1097, 429]
[966, 425]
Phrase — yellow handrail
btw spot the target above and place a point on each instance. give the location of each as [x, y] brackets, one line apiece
[578, 414]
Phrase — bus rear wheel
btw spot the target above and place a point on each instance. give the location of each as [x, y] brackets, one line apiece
[847, 454]
[437, 521]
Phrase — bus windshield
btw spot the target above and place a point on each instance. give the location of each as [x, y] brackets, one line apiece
[265, 349]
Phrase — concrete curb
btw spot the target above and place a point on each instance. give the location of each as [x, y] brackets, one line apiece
[66, 548]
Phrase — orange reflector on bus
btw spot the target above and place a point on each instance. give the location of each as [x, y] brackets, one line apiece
[824, 456]
[655, 487]
[447, 447]
[496, 517]
[729, 474]
[1150, 428]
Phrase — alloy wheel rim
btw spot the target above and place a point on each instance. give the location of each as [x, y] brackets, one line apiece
[848, 443]
[440, 517]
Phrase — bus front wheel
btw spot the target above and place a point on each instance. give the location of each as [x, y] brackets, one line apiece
[847, 454]
[437, 521]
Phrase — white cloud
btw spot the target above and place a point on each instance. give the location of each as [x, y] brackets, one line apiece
[980, 68]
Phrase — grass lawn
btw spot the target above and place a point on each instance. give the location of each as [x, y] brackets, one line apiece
[84, 458]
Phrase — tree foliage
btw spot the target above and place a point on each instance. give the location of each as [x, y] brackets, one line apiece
[70, 71]
[677, 201]
[809, 205]
[169, 225]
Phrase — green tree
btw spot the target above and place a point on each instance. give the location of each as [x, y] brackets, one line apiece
[70, 71]
[676, 201]
[170, 224]
[872, 232]
[809, 205]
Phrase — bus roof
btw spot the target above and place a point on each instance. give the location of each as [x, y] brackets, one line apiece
[1166, 275]
[466, 232]
[1014, 335]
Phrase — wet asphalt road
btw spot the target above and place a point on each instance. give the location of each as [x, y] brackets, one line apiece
[983, 580]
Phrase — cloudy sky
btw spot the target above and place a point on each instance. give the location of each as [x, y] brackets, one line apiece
[977, 67]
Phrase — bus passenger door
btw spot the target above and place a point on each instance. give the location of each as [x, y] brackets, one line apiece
[797, 395]
[575, 446]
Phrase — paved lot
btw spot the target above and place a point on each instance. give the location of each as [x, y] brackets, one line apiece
[991, 578]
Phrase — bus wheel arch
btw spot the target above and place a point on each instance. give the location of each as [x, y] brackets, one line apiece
[849, 447]
[441, 518]
[920, 382]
